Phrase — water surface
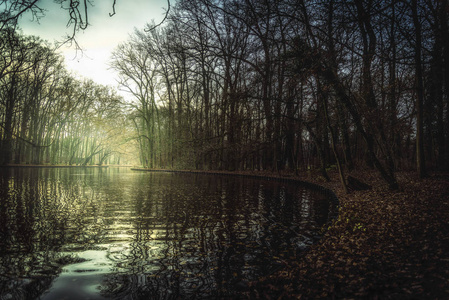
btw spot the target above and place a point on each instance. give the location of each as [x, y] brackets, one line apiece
[113, 233]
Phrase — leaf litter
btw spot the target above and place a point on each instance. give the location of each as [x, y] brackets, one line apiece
[383, 245]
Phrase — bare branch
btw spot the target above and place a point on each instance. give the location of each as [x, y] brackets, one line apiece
[15, 11]
[113, 9]
[163, 20]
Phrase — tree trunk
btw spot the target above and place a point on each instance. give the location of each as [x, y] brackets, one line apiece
[342, 95]
[334, 149]
[420, 158]
[7, 142]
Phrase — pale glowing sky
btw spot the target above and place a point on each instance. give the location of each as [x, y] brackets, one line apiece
[100, 39]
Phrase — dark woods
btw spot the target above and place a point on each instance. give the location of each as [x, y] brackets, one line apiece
[293, 85]
[251, 85]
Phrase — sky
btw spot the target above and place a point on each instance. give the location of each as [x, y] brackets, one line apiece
[98, 40]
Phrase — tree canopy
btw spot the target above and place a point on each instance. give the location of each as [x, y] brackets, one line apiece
[50, 117]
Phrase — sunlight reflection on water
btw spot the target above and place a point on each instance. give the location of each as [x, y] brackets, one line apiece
[113, 233]
[81, 280]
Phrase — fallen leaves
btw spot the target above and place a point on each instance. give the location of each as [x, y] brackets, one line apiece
[383, 244]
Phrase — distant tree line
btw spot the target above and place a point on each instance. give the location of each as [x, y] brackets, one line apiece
[282, 84]
[47, 116]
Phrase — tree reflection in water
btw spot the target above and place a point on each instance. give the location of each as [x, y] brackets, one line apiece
[114, 233]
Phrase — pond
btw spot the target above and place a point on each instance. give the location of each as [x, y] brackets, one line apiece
[114, 233]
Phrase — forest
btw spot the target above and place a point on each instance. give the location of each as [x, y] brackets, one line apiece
[349, 97]
[244, 85]
[50, 117]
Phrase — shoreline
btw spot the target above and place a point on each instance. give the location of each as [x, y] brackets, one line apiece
[382, 245]
[61, 166]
